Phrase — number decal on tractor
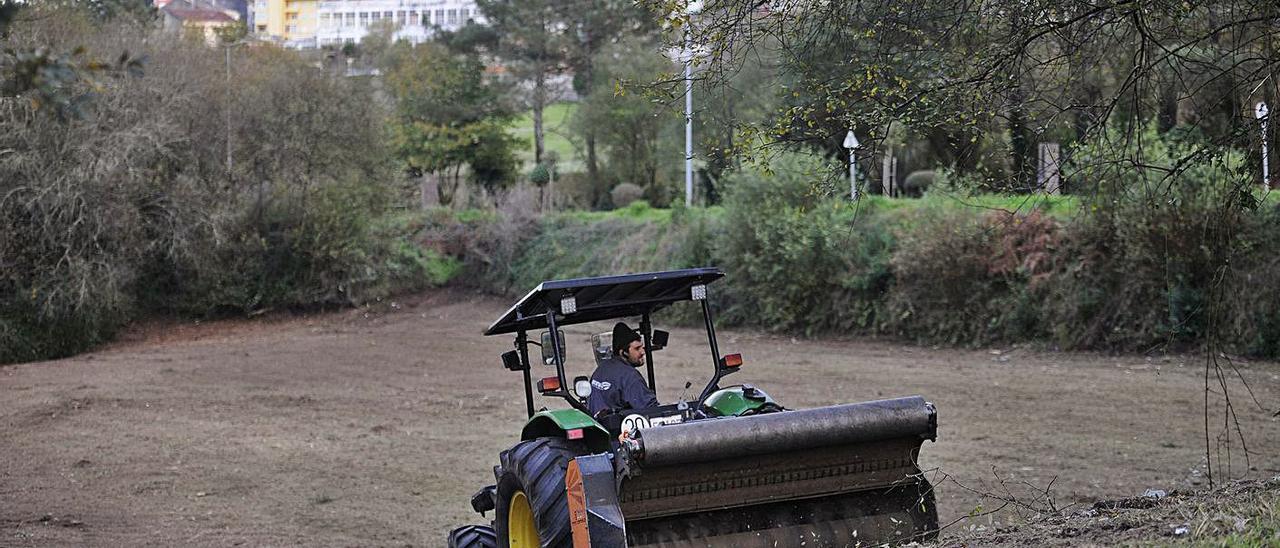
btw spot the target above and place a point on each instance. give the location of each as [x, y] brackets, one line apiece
[640, 422]
[635, 422]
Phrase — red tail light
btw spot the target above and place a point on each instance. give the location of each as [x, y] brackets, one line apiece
[732, 360]
[549, 384]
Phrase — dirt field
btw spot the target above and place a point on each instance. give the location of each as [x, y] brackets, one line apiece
[374, 427]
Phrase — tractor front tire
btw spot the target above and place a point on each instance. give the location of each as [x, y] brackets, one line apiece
[473, 536]
[532, 507]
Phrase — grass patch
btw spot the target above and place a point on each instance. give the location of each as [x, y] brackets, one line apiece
[638, 211]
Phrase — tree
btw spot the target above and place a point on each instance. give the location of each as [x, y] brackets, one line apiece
[594, 25]
[530, 41]
[629, 123]
[449, 115]
[63, 80]
[999, 75]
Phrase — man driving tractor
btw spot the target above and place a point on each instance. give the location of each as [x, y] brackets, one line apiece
[615, 384]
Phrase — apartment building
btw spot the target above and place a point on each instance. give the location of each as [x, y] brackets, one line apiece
[319, 23]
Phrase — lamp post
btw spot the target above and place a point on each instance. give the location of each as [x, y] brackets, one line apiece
[692, 9]
[1260, 112]
[851, 143]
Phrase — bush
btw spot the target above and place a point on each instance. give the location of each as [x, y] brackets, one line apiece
[625, 193]
[1252, 301]
[932, 271]
[971, 279]
[1152, 247]
[795, 260]
[132, 209]
[917, 183]
[577, 191]
[539, 175]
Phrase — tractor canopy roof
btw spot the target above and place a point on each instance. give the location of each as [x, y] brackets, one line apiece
[585, 300]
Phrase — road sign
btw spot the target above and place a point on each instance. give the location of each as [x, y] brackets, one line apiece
[851, 143]
[1260, 111]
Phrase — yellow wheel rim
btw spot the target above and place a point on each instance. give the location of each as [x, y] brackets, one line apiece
[522, 530]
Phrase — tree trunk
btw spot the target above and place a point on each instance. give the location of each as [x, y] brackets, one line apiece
[539, 102]
[1020, 142]
[1084, 115]
[593, 165]
[1167, 115]
[442, 196]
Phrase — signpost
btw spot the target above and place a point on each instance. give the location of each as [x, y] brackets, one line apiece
[851, 143]
[1260, 111]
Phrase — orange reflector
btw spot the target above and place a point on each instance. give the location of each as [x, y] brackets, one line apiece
[549, 384]
[732, 360]
[577, 505]
[575, 434]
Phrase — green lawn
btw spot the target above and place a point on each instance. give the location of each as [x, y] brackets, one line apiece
[556, 120]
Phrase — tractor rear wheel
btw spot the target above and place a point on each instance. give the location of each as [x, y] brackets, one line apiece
[532, 507]
[473, 536]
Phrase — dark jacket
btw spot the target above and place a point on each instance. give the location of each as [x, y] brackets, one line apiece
[617, 386]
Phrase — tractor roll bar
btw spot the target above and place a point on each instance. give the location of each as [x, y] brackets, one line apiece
[522, 344]
[646, 331]
[714, 383]
[563, 391]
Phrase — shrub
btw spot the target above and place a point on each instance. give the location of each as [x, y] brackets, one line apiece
[577, 191]
[134, 210]
[1252, 301]
[917, 183]
[971, 279]
[1152, 247]
[625, 193]
[539, 175]
[795, 260]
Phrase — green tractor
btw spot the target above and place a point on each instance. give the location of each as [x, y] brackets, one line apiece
[730, 467]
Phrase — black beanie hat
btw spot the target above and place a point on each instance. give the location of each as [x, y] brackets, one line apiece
[623, 336]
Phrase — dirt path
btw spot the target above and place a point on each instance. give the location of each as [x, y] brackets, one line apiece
[361, 428]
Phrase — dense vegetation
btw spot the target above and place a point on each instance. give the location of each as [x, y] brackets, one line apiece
[153, 198]
[242, 178]
[1127, 274]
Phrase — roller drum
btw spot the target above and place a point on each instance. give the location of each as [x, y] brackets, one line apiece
[727, 438]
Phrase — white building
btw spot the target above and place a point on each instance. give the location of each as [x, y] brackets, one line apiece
[320, 23]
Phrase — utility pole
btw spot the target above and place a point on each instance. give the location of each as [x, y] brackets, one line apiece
[691, 9]
[688, 121]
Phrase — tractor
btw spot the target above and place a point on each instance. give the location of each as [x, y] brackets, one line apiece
[729, 467]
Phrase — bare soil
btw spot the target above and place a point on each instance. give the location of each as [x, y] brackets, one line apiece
[373, 427]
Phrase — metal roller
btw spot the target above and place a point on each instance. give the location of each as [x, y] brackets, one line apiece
[701, 441]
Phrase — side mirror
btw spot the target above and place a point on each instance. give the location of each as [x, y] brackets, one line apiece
[659, 339]
[548, 355]
[511, 361]
[582, 387]
[602, 346]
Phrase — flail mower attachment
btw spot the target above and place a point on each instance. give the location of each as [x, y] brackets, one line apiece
[843, 475]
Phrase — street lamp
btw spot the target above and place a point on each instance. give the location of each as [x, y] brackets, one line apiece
[691, 9]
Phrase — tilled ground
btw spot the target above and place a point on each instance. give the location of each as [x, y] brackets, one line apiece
[1240, 513]
[373, 427]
